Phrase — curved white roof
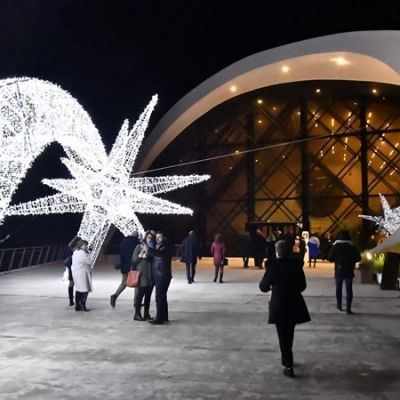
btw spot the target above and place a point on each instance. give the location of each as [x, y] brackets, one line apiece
[369, 56]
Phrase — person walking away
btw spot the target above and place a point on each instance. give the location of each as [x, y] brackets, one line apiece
[313, 250]
[162, 274]
[345, 255]
[270, 246]
[246, 246]
[126, 248]
[190, 253]
[141, 262]
[284, 275]
[326, 244]
[260, 245]
[68, 263]
[82, 274]
[218, 253]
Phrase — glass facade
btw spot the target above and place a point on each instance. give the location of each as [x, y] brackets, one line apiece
[314, 152]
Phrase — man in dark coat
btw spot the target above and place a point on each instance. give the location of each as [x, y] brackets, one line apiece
[190, 253]
[260, 244]
[287, 308]
[162, 275]
[345, 255]
[126, 248]
[246, 247]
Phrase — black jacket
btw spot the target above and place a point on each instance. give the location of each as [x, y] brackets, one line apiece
[345, 255]
[126, 248]
[285, 276]
[161, 263]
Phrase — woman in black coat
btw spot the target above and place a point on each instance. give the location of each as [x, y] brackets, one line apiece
[287, 308]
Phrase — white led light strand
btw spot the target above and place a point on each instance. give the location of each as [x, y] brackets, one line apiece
[106, 194]
[33, 114]
[390, 221]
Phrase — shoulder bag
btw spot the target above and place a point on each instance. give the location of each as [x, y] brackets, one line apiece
[133, 279]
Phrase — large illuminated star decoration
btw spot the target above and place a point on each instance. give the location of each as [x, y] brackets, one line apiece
[34, 114]
[108, 195]
[390, 221]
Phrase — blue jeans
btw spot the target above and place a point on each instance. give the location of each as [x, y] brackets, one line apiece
[349, 291]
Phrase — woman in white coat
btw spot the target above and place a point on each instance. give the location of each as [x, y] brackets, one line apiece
[82, 274]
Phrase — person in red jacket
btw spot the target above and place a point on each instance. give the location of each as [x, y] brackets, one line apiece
[218, 253]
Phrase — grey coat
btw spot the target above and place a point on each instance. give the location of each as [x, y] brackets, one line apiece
[143, 265]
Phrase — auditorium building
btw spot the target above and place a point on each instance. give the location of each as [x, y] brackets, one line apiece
[307, 133]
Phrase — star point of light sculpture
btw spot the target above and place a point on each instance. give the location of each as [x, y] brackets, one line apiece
[390, 221]
[34, 114]
[106, 194]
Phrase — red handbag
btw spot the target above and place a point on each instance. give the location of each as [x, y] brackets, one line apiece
[133, 278]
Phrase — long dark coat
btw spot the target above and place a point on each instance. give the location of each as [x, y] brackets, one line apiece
[142, 265]
[246, 246]
[285, 276]
[126, 248]
[190, 250]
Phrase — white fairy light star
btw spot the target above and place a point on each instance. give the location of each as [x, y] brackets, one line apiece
[390, 221]
[33, 114]
[106, 194]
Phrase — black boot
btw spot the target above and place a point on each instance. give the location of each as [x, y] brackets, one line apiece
[83, 302]
[138, 315]
[78, 301]
[288, 372]
[220, 277]
[216, 275]
[71, 295]
[113, 299]
[147, 315]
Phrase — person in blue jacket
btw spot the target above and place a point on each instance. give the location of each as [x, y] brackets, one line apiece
[126, 248]
[313, 250]
[190, 253]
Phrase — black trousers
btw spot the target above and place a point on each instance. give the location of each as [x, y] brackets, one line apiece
[190, 271]
[285, 332]
[162, 285]
[245, 261]
[349, 291]
[145, 292]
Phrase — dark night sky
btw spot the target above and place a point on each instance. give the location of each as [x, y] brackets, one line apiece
[113, 55]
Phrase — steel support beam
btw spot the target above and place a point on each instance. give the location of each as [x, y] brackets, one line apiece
[250, 157]
[305, 181]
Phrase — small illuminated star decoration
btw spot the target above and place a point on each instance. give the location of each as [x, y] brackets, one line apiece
[390, 221]
[33, 114]
[107, 194]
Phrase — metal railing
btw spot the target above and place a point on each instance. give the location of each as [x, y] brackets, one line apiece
[22, 257]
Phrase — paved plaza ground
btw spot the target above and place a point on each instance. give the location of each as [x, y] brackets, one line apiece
[217, 346]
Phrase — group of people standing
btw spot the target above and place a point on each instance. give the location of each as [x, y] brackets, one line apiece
[309, 248]
[150, 256]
